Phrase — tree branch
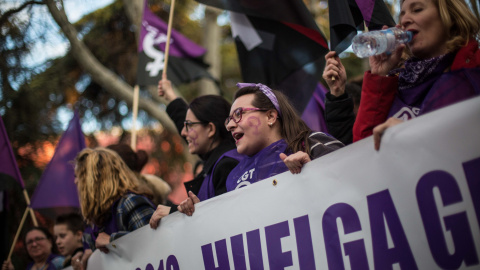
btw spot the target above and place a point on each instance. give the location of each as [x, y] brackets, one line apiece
[11, 12]
[134, 11]
[99, 73]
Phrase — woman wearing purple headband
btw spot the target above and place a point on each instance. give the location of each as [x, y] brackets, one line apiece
[270, 133]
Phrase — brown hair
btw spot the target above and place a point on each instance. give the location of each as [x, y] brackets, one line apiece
[293, 129]
[73, 221]
[134, 160]
[102, 178]
[47, 234]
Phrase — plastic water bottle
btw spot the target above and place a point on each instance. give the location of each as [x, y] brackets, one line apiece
[379, 41]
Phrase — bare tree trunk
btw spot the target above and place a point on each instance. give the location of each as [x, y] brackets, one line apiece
[100, 74]
[211, 41]
[134, 11]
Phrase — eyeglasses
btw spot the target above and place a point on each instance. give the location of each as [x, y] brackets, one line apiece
[35, 240]
[187, 124]
[237, 114]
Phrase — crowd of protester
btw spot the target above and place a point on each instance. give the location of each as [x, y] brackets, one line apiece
[260, 134]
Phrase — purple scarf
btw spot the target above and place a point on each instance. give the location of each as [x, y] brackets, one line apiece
[420, 80]
[417, 71]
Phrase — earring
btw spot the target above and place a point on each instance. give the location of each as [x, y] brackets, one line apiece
[270, 124]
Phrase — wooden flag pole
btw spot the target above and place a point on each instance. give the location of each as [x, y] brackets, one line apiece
[167, 44]
[18, 232]
[136, 93]
[27, 199]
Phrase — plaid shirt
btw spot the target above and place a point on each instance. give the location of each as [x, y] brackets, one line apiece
[132, 212]
[322, 144]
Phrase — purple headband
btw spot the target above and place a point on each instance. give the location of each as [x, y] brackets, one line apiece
[266, 90]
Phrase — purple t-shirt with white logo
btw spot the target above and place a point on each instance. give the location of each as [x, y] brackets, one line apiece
[264, 164]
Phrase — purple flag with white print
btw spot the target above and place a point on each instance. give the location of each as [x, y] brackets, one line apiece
[185, 63]
[56, 187]
[8, 164]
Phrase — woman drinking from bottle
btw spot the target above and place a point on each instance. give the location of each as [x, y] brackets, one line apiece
[444, 67]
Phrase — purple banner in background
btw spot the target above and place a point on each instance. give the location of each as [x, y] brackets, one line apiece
[56, 187]
[8, 164]
[366, 7]
[314, 113]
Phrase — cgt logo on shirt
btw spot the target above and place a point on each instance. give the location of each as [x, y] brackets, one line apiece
[244, 180]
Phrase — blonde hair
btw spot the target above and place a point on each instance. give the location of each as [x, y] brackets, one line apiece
[102, 178]
[460, 22]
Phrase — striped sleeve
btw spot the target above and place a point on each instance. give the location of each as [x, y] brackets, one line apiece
[322, 144]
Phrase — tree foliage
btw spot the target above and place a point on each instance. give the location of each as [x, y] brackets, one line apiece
[22, 111]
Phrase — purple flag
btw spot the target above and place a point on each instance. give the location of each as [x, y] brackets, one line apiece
[313, 115]
[56, 187]
[152, 32]
[8, 164]
[185, 61]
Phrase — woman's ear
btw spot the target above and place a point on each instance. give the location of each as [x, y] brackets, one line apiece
[212, 131]
[272, 116]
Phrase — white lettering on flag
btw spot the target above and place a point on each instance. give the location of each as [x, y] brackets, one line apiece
[151, 39]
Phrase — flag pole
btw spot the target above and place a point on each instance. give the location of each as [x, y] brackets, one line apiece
[3, 133]
[18, 232]
[133, 143]
[32, 214]
[169, 32]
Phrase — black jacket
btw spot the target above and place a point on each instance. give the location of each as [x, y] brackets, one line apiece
[340, 117]
[177, 110]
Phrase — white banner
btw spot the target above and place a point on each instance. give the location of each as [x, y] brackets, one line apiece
[415, 204]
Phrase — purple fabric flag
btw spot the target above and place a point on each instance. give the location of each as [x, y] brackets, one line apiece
[56, 187]
[366, 7]
[313, 115]
[185, 63]
[154, 31]
[8, 164]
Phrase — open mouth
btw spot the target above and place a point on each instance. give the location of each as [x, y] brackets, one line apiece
[237, 136]
[414, 33]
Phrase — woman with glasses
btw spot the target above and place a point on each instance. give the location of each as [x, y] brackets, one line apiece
[41, 249]
[267, 129]
[202, 125]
